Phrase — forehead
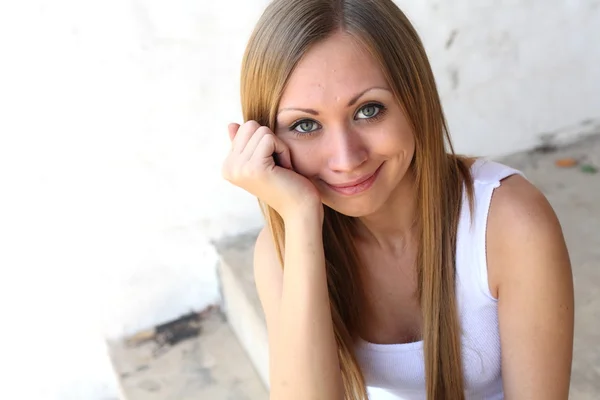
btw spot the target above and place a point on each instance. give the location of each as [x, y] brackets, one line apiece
[334, 70]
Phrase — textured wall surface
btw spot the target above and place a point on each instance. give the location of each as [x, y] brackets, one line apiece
[513, 74]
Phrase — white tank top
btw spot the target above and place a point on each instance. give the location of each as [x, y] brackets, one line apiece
[397, 371]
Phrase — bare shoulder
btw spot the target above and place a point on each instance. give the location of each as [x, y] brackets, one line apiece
[530, 275]
[520, 212]
[522, 224]
[268, 273]
[518, 205]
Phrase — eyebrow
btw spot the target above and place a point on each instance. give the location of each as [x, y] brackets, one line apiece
[350, 103]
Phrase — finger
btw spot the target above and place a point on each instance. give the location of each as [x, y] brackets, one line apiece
[243, 135]
[255, 140]
[272, 147]
[233, 129]
[282, 154]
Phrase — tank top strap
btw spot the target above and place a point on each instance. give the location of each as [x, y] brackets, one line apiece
[491, 172]
[471, 255]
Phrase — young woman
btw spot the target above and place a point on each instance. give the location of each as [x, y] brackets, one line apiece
[389, 266]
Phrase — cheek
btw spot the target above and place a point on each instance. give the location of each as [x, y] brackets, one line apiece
[392, 142]
[306, 157]
[396, 134]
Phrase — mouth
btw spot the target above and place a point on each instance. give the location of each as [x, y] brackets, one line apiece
[356, 186]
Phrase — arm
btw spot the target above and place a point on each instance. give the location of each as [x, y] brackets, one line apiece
[530, 273]
[303, 352]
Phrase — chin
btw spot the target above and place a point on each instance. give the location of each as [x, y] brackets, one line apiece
[360, 209]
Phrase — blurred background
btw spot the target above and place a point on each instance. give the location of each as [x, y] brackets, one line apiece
[124, 256]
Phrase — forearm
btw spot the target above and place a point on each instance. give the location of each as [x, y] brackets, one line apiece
[305, 363]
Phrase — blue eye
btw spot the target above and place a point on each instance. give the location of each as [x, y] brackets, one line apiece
[368, 111]
[305, 126]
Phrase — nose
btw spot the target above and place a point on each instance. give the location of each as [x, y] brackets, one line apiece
[347, 150]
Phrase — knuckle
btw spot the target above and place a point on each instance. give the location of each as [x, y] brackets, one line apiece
[261, 133]
[263, 130]
[252, 125]
[238, 174]
[235, 177]
[268, 138]
[248, 171]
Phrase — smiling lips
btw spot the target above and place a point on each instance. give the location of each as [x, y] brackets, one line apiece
[357, 186]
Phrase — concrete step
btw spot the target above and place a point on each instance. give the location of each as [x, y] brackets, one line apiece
[208, 366]
[240, 299]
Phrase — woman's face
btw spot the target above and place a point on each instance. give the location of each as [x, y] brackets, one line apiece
[344, 128]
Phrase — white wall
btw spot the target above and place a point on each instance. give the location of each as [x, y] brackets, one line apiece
[113, 122]
[515, 70]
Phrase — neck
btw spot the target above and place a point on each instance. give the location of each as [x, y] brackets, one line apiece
[395, 223]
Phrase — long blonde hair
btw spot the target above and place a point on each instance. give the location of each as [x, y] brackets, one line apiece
[285, 32]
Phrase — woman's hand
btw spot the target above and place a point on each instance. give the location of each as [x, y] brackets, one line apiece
[252, 166]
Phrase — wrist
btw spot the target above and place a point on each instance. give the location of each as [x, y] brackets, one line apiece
[304, 217]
